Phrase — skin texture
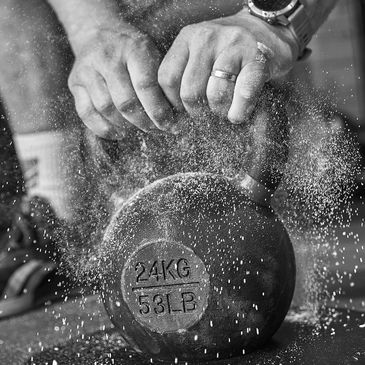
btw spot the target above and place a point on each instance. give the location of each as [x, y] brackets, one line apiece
[35, 61]
[185, 72]
[113, 82]
[136, 66]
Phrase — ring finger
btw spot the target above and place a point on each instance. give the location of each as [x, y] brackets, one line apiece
[221, 84]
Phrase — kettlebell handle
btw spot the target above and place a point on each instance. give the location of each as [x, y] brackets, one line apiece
[268, 151]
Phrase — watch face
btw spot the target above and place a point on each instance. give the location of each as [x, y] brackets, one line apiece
[271, 5]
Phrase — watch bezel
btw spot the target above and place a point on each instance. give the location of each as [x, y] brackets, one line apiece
[271, 15]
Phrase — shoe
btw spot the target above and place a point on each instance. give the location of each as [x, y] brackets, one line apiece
[29, 258]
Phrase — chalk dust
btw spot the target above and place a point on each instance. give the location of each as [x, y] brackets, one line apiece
[314, 195]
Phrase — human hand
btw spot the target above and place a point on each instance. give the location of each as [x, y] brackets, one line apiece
[241, 45]
[114, 81]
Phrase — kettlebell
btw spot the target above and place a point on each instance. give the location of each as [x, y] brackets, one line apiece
[197, 265]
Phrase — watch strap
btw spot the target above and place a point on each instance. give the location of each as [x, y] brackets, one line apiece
[300, 27]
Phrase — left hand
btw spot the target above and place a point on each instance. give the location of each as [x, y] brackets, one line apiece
[228, 44]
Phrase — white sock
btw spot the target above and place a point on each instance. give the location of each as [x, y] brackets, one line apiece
[49, 162]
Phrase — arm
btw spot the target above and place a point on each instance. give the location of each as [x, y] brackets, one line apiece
[82, 16]
[114, 77]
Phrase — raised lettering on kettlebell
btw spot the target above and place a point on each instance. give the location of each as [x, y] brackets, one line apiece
[166, 280]
[164, 270]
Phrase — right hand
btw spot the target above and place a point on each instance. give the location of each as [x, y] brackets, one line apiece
[114, 82]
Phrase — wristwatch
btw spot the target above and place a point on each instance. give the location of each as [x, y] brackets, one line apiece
[288, 13]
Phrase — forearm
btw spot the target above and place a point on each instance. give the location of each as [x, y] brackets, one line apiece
[164, 21]
[83, 16]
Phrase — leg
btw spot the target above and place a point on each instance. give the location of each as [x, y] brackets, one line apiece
[11, 179]
[35, 60]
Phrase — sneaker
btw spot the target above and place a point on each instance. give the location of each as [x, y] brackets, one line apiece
[29, 258]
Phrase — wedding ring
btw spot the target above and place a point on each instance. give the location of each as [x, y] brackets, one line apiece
[224, 75]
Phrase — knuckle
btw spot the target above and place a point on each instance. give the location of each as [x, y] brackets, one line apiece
[127, 106]
[190, 98]
[104, 106]
[167, 79]
[78, 75]
[72, 78]
[71, 81]
[205, 32]
[141, 43]
[236, 35]
[185, 97]
[188, 29]
[146, 83]
[202, 32]
[85, 111]
[158, 114]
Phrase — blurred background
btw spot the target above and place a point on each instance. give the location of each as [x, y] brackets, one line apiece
[338, 61]
[337, 66]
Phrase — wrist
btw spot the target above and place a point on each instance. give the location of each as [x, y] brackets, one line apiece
[290, 15]
[92, 31]
[279, 37]
[82, 19]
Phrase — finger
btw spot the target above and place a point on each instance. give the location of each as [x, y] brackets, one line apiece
[102, 101]
[248, 86]
[193, 90]
[90, 117]
[126, 101]
[142, 68]
[171, 71]
[219, 90]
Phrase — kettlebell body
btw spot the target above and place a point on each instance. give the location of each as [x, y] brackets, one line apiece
[194, 270]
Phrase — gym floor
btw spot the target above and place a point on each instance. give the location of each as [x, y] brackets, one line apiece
[78, 331]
